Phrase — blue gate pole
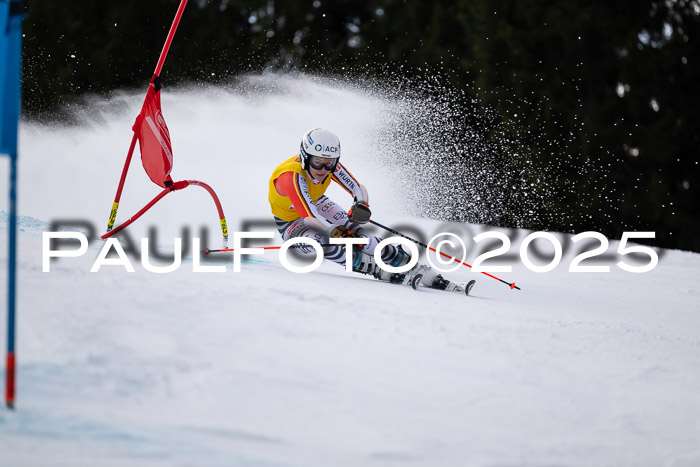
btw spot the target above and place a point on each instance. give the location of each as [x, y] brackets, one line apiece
[11, 16]
[11, 288]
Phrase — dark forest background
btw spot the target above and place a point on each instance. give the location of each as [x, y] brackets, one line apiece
[605, 93]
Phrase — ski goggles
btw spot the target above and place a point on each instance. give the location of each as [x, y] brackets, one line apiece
[319, 164]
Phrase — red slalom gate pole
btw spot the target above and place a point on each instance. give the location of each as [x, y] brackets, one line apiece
[133, 218]
[509, 284]
[159, 67]
[118, 196]
[169, 39]
[174, 187]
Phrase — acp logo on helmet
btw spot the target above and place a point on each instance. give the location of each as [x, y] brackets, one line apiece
[331, 149]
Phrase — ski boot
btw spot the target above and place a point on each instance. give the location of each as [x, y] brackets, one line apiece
[439, 283]
[365, 264]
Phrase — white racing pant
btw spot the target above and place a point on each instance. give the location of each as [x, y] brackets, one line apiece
[338, 216]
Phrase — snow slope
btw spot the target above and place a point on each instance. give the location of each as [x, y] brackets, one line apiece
[267, 367]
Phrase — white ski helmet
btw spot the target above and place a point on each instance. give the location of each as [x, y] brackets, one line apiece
[319, 143]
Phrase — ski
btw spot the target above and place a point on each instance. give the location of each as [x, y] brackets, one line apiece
[424, 276]
[420, 275]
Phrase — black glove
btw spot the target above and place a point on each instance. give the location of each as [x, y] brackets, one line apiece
[359, 213]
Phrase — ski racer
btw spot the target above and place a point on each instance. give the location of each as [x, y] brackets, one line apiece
[301, 209]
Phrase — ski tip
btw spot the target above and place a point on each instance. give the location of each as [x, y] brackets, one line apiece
[469, 286]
